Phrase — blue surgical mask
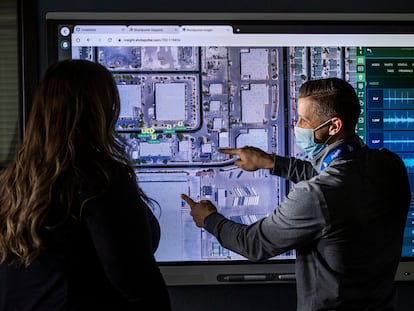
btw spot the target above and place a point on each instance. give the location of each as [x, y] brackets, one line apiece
[305, 139]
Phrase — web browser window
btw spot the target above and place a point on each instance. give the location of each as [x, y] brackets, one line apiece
[187, 90]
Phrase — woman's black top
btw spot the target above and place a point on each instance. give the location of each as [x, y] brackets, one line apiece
[100, 258]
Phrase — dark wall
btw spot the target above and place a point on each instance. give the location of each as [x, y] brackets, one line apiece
[237, 297]
[357, 6]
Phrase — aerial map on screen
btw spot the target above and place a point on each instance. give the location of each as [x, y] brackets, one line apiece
[187, 91]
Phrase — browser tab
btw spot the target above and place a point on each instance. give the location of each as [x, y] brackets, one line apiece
[153, 29]
[100, 29]
[206, 29]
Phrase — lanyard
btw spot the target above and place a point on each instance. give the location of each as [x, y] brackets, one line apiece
[339, 152]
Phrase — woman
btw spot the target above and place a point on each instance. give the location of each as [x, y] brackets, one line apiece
[76, 231]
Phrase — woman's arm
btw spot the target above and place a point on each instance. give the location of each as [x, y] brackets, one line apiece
[125, 234]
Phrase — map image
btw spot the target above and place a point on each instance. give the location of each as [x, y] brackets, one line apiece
[180, 104]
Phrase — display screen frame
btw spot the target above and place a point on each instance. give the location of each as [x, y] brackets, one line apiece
[190, 272]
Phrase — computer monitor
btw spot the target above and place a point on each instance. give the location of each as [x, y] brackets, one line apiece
[192, 83]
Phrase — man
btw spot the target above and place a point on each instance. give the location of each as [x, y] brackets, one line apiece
[345, 214]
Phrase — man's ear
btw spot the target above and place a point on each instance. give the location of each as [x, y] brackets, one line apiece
[336, 126]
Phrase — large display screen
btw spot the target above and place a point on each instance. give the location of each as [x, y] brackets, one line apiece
[189, 88]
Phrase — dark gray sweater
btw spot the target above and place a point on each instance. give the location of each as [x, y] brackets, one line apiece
[345, 222]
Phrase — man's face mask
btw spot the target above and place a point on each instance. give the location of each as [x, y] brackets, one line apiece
[305, 139]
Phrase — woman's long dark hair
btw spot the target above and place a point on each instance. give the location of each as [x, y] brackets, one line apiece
[75, 108]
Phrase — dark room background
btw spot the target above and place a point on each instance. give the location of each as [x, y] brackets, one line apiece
[185, 298]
